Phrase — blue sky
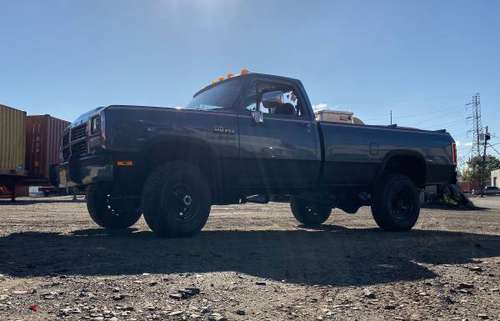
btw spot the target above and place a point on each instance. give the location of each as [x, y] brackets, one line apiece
[421, 59]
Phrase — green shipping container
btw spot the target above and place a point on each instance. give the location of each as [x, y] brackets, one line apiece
[12, 141]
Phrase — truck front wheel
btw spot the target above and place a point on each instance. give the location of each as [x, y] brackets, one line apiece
[396, 204]
[108, 212]
[176, 200]
[309, 213]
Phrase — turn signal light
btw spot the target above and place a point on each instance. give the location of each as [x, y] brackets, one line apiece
[125, 163]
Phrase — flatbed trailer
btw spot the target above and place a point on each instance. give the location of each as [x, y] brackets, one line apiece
[9, 185]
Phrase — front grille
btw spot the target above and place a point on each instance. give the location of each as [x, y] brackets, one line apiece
[66, 138]
[66, 153]
[75, 142]
[78, 132]
[80, 149]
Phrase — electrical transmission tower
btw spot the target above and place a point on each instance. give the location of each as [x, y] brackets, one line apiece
[480, 136]
[477, 126]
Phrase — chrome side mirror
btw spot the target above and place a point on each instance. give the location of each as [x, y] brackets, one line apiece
[257, 116]
[271, 99]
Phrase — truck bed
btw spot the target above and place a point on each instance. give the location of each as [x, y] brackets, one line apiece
[354, 153]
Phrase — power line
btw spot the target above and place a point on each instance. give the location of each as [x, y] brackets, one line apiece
[435, 113]
[496, 151]
[441, 124]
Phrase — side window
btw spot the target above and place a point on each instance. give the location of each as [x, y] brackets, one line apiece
[274, 99]
[287, 104]
[250, 98]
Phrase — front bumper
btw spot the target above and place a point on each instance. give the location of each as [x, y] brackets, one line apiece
[84, 171]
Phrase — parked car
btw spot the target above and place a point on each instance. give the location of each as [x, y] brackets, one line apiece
[251, 137]
[491, 190]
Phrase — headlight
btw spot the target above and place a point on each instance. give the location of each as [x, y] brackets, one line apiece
[95, 125]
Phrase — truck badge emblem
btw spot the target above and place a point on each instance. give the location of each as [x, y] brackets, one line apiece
[222, 130]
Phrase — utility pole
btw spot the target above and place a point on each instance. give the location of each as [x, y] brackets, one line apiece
[485, 140]
[391, 116]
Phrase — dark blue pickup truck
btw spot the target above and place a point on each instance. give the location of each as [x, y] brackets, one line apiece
[251, 137]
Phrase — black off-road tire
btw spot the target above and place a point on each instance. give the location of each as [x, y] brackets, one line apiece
[310, 213]
[396, 203]
[110, 214]
[166, 195]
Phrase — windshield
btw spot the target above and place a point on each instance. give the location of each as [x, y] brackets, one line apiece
[84, 117]
[220, 97]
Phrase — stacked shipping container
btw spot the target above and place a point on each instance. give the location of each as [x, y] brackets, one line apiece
[43, 140]
[12, 141]
[29, 146]
[12, 149]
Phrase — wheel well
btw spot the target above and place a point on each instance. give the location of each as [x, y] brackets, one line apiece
[194, 152]
[408, 165]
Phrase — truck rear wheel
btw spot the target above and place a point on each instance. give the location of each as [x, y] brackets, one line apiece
[176, 200]
[310, 213]
[108, 212]
[396, 204]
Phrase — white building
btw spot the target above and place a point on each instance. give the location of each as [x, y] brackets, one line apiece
[495, 178]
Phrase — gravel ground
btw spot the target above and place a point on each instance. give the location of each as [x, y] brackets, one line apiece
[251, 262]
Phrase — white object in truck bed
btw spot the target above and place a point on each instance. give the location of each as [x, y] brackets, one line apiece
[337, 116]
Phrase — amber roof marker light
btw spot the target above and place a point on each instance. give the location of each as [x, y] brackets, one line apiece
[243, 71]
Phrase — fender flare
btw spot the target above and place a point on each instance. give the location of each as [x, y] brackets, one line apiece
[400, 152]
[198, 146]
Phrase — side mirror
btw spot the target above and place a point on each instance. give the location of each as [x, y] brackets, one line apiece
[271, 99]
[258, 116]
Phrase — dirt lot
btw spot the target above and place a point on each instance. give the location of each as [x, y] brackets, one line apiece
[251, 262]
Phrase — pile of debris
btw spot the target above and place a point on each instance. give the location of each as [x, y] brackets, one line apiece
[448, 196]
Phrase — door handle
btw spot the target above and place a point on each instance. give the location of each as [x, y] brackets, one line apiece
[373, 149]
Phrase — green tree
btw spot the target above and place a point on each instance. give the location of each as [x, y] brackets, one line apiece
[473, 171]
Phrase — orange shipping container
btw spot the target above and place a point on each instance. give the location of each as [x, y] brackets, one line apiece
[43, 139]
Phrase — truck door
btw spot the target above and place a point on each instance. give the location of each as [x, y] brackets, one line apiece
[282, 151]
